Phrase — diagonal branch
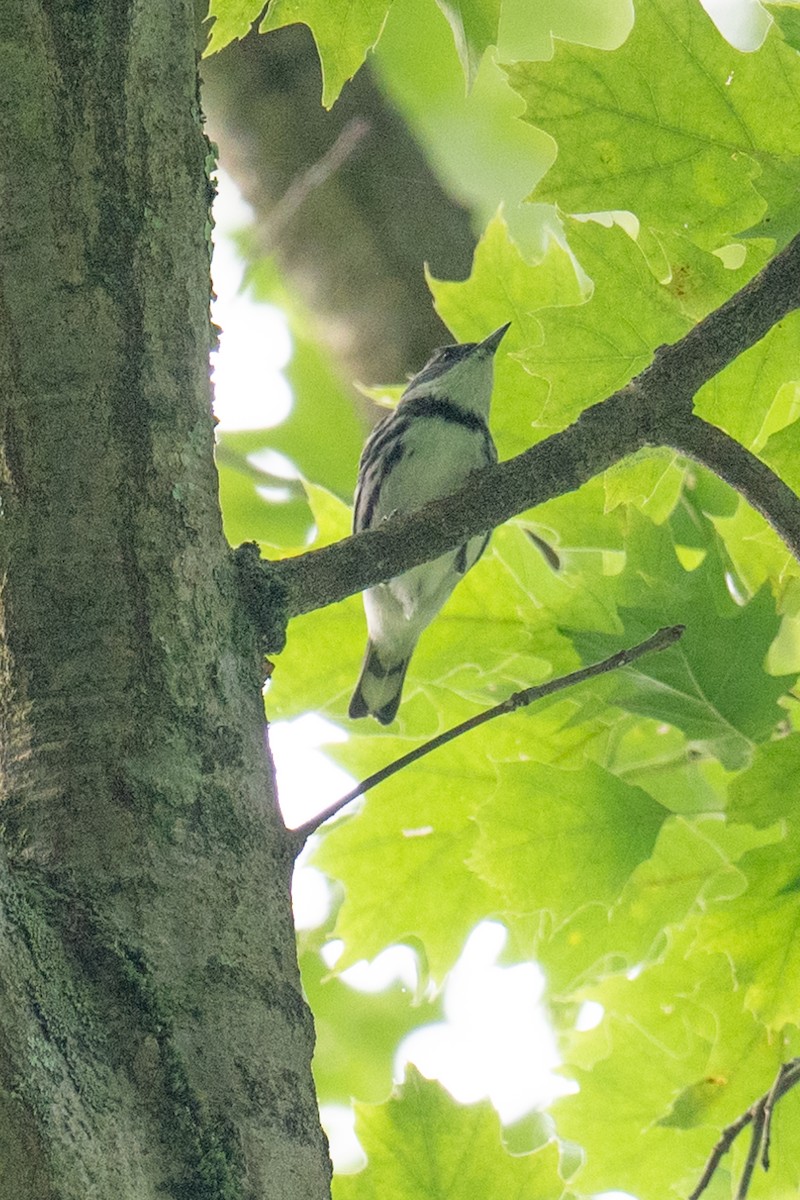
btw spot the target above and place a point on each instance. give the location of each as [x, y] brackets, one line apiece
[748, 475]
[661, 640]
[655, 409]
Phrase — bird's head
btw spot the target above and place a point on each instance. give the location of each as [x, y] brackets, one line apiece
[461, 374]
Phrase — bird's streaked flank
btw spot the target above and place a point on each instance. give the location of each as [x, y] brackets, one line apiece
[427, 448]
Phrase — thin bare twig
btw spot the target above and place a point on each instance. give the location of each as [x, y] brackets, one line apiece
[748, 475]
[313, 177]
[723, 1145]
[752, 1152]
[786, 1079]
[659, 641]
[759, 1115]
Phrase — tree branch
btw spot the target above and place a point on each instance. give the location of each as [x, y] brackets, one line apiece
[659, 641]
[601, 436]
[759, 1115]
[746, 473]
[654, 409]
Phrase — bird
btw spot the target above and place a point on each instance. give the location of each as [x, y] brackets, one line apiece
[426, 448]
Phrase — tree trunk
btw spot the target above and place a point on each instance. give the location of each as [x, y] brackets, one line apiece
[153, 1036]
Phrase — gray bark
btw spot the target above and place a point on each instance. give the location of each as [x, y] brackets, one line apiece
[153, 1036]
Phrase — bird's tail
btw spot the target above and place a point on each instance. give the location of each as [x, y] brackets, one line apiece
[379, 687]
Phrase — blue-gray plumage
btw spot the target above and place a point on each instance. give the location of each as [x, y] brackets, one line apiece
[427, 448]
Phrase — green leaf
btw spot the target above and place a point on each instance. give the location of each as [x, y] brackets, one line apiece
[636, 1085]
[675, 126]
[756, 551]
[443, 1151]
[504, 286]
[581, 520]
[612, 335]
[556, 840]
[674, 1060]
[787, 18]
[343, 33]
[770, 789]
[529, 31]
[357, 1033]
[318, 669]
[693, 861]
[753, 398]
[589, 350]
[651, 479]
[278, 515]
[475, 141]
[760, 932]
[332, 637]
[697, 280]
[474, 25]
[232, 20]
[657, 757]
[403, 859]
[698, 684]
[321, 400]
[782, 453]
[333, 518]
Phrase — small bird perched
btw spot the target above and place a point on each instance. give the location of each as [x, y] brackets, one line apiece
[435, 438]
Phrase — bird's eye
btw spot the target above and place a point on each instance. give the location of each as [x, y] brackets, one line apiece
[444, 355]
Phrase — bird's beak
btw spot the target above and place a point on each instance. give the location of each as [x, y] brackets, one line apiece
[490, 344]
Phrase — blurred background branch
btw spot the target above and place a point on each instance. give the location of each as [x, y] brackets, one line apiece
[345, 200]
